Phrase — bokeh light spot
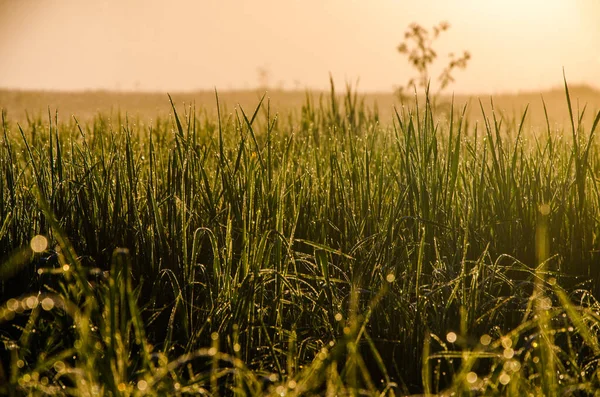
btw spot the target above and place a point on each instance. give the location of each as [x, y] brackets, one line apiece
[39, 243]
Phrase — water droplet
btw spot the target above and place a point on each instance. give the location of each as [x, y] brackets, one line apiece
[142, 385]
[39, 243]
[485, 339]
[471, 377]
[451, 337]
[47, 304]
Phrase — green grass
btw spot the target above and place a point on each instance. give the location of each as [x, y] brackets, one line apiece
[319, 252]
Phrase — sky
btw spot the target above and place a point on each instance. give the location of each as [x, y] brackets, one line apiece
[186, 45]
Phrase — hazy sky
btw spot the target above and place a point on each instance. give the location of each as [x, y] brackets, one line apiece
[187, 45]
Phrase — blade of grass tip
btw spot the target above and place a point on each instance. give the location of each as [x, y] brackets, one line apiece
[269, 131]
[59, 158]
[10, 179]
[515, 150]
[37, 175]
[455, 159]
[417, 109]
[258, 108]
[251, 130]
[221, 151]
[334, 104]
[493, 145]
[82, 134]
[177, 121]
[589, 142]
[547, 124]
[581, 115]
[241, 147]
[179, 134]
[571, 114]
[51, 154]
[449, 151]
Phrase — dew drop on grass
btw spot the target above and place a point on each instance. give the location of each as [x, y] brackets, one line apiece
[47, 304]
[59, 366]
[451, 337]
[504, 378]
[31, 302]
[142, 385]
[12, 305]
[515, 366]
[471, 377]
[39, 244]
[485, 339]
[506, 343]
[545, 303]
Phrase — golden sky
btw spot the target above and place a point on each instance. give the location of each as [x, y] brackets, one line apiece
[186, 45]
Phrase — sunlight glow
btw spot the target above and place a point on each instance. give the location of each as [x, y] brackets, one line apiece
[514, 44]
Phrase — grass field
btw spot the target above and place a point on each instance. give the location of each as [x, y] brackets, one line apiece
[324, 249]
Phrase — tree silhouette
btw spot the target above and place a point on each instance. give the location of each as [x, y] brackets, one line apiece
[418, 47]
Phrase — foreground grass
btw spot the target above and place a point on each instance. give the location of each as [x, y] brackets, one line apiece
[256, 253]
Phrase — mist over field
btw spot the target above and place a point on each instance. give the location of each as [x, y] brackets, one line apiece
[147, 46]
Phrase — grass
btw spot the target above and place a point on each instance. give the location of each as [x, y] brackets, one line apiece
[316, 252]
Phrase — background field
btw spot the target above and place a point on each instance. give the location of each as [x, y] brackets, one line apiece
[149, 106]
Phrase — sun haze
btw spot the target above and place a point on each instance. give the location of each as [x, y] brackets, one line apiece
[188, 45]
